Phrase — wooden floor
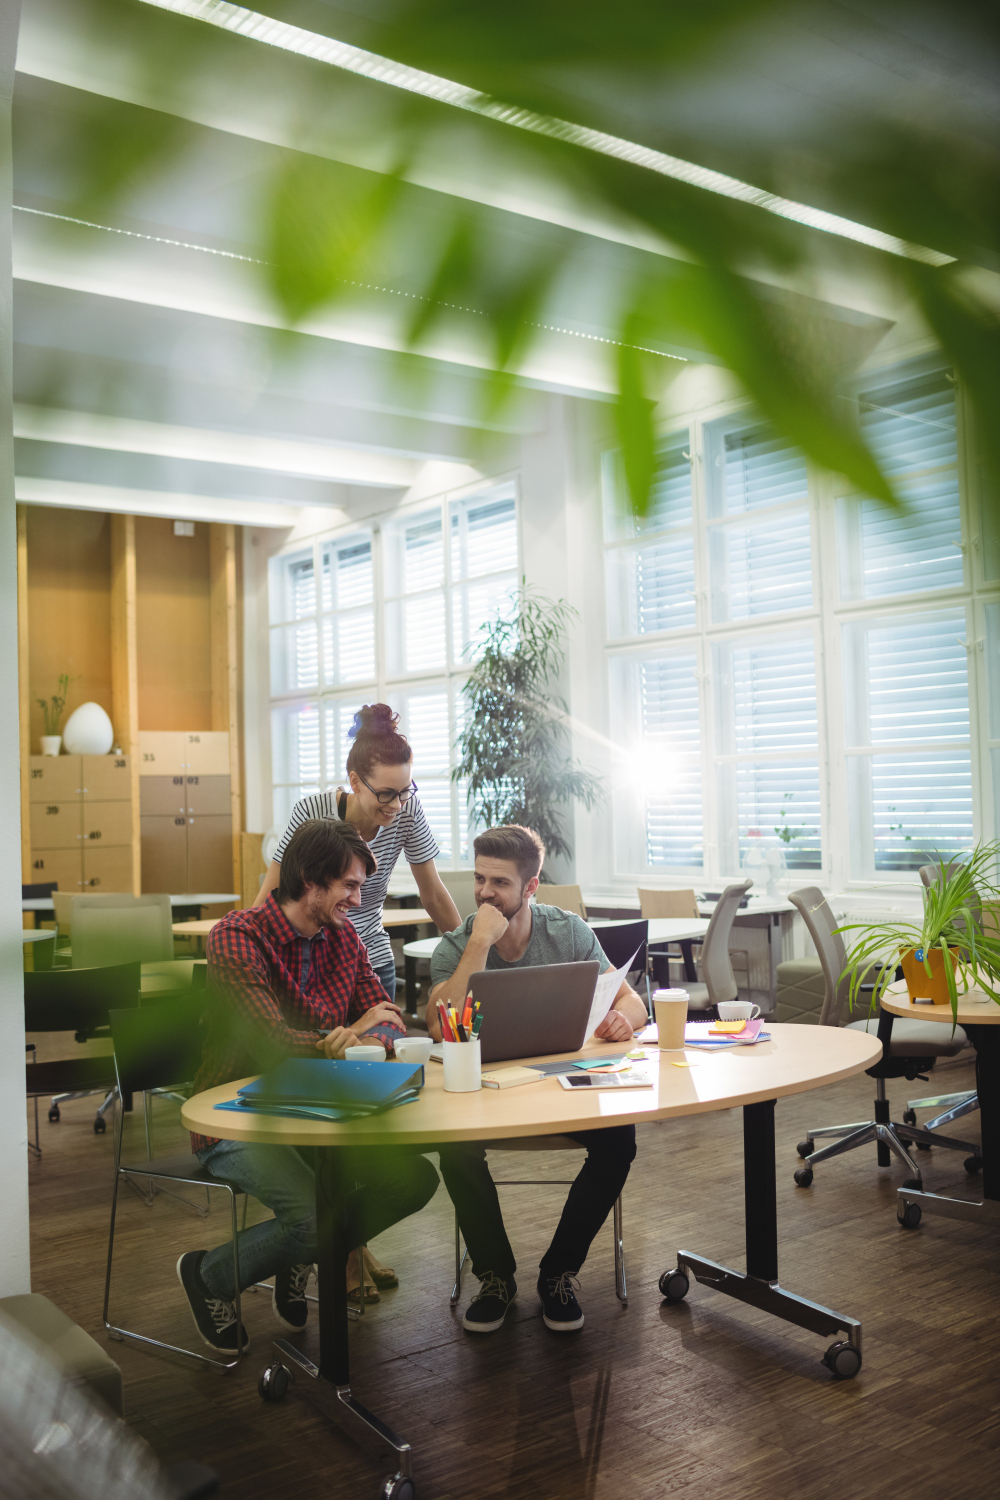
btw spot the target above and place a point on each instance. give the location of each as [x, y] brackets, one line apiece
[707, 1400]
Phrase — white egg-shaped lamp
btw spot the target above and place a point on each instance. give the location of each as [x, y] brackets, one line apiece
[88, 731]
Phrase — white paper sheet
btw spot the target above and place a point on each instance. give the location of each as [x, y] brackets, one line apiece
[608, 986]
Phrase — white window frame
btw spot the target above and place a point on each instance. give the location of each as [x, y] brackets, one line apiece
[385, 685]
[980, 538]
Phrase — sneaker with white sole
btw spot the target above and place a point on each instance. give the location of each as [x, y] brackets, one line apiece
[488, 1308]
[560, 1310]
[214, 1318]
[289, 1296]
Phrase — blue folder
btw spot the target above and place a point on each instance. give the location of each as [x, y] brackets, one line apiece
[330, 1088]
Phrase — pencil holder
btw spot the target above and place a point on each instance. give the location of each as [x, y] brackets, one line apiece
[462, 1067]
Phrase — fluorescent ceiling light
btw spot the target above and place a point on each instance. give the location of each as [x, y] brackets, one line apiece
[252, 24]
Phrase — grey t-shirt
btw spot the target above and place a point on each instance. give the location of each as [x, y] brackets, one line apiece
[557, 937]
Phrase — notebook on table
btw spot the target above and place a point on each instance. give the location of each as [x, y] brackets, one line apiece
[329, 1089]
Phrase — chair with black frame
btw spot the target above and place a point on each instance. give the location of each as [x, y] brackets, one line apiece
[909, 1050]
[952, 1106]
[619, 941]
[77, 1001]
[719, 981]
[159, 1048]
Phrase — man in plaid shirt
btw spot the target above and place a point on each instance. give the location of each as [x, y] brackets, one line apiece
[292, 978]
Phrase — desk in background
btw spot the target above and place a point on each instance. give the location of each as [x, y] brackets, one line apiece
[798, 1058]
[41, 906]
[978, 1011]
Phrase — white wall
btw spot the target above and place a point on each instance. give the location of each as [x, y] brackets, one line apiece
[15, 1273]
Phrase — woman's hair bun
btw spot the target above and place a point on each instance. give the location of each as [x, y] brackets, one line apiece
[374, 718]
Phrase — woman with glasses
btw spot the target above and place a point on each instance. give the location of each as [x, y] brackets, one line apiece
[383, 806]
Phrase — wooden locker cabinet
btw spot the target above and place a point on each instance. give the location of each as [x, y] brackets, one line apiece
[163, 796]
[210, 852]
[164, 853]
[185, 800]
[80, 818]
[208, 795]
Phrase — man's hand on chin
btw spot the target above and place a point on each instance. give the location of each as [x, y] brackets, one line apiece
[489, 924]
[614, 1028]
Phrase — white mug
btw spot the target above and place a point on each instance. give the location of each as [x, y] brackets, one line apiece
[737, 1010]
[414, 1049]
[366, 1052]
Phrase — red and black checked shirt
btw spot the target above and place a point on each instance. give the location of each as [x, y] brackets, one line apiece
[258, 1008]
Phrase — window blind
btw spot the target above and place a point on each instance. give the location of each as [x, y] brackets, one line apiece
[671, 736]
[778, 806]
[761, 568]
[426, 723]
[909, 688]
[651, 586]
[760, 469]
[911, 427]
[771, 688]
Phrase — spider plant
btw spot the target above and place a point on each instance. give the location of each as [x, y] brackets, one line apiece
[952, 923]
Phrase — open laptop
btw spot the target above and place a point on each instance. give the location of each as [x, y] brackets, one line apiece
[533, 1012]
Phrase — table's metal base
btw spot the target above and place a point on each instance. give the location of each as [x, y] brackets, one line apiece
[771, 1298]
[341, 1398]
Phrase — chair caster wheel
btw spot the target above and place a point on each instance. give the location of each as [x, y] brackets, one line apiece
[909, 1117]
[674, 1285]
[54, 1114]
[806, 1147]
[921, 1146]
[100, 1125]
[804, 1177]
[915, 1184]
[843, 1360]
[397, 1487]
[909, 1215]
[273, 1382]
[973, 1164]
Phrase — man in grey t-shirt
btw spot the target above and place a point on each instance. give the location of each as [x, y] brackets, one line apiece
[508, 932]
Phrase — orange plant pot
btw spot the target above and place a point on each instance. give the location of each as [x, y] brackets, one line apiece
[924, 986]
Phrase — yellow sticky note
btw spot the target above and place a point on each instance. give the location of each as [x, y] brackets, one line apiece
[728, 1026]
[674, 1064]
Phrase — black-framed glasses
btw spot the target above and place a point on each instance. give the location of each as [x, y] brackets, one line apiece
[388, 795]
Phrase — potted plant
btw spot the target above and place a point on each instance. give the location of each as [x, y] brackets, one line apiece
[951, 948]
[52, 712]
[515, 736]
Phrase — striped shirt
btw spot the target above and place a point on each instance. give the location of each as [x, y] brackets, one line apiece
[273, 993]
[410, 833]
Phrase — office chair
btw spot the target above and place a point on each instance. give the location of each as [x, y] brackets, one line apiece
[656, 904]
[566, 897]
[78, 1001]
[117, 928]
[620, 942]
[159, 1047]
[912, 1048]
[952, 1106]
[719, 981]
[544, 1143]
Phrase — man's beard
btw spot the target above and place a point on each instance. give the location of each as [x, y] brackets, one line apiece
[509, 912]
[318, 913]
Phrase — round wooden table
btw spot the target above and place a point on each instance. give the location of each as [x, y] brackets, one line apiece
[797, 1059]
[979, 1017]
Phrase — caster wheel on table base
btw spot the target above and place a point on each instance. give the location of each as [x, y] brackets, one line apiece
[397, 1487]
[843, 1360]
[674, 1285]
[973, 1164]
[54, 1114]
[100, 1125]
[909, 1215]
[273, 1382]
[806, 1147]
[804, 1177]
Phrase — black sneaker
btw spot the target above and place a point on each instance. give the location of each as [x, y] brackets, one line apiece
[214, 1319]
[560, 1310]
[289, 1296]
[488, 1308]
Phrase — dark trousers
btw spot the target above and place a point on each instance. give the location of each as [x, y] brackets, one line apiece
[591, 1198]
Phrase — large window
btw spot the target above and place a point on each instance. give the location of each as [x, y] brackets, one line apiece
[389, 613]
[807, 657]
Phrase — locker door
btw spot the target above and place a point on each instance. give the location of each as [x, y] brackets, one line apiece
[210, 853]
[163, 796]
[106, 778]
[107, 869]
[56, 825]
[54, 778]
[208, 794]
[164, 853]
[107, 823]
[64, 866]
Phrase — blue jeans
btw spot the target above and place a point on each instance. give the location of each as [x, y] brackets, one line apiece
[392, 1182]
[386, 977]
